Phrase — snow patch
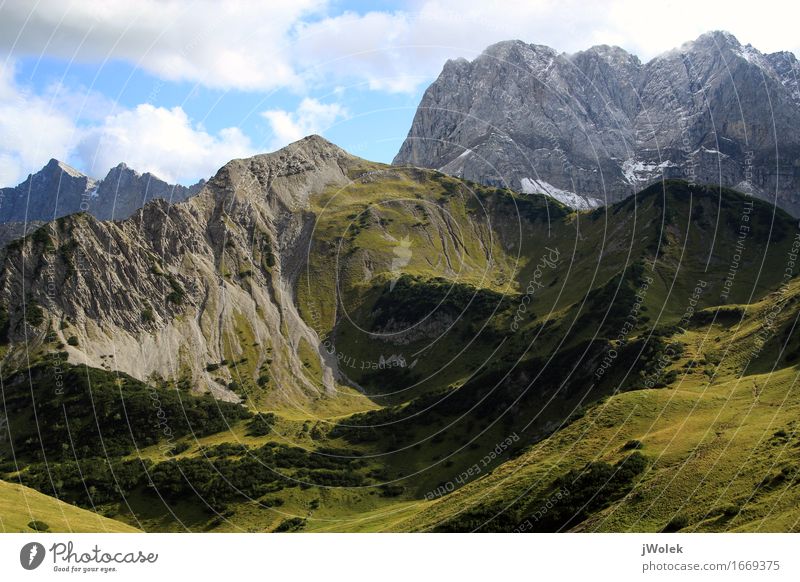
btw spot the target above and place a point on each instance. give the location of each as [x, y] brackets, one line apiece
[532, 186]
[636, 171]
[714, 152]
[751, 55]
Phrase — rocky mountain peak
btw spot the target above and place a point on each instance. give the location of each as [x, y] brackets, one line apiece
[58, 170]
[598, 125]
[59, 189]
[717, 39]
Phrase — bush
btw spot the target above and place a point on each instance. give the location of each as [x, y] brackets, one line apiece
[731, 510]
[293, 524]
[176, 294]
[4, 324]
[677, 523]
[179, 448]
[147, 315]
[37, 525]
[633, 444]
[34, 313]
[72, 340]
[590, 489]
[261, 425]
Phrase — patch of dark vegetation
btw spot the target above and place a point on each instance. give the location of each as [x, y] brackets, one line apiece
[723, 315]
[176, 293]
[34, 314]
[615, 301]
[37, 525]
[84, 412]
[566, 503]
[532, 208]
[677, 523]
[414, 298]
[290, 525]
[562, 380]
[261, 424]
[4, 324]
[220, 475]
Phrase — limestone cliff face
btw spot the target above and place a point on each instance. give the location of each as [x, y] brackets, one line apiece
[201, 290]
[596, 126]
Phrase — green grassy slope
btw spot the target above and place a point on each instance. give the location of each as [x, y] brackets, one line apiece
[525, 367]
[23, 510]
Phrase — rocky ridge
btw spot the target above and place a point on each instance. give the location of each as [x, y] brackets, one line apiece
[594, 127]
[59, 189]
[200, 291]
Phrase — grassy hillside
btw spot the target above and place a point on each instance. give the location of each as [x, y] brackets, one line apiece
[506, 365]
[23, 510]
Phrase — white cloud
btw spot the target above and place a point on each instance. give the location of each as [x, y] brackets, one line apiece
[295, 44]
[32, 127]
[243, 44]
[80, 127]
[256, 45]
[162, 141]
[310, 117]
[398, 51]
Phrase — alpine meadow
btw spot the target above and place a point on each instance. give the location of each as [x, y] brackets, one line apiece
[570, 303]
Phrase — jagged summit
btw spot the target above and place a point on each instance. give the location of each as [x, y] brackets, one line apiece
[59, 189]
[595, 126]
[57, 165]
[311, 145]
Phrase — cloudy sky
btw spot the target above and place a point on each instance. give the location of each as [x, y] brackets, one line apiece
[178, 88]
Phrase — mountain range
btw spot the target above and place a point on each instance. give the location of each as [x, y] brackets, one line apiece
[58, 190]
[337, 344]
[596, 126]
[312, 341]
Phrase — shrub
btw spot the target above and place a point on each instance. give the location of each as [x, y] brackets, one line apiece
[392, 490]
[37, 525]
[677, 523]
[147, 315]
[731, 510]
[180, 448]
[34, 313]
[4, 324]
[72, 340]
[177, 294]
[261, 425]
[633, 444]
[292, 524]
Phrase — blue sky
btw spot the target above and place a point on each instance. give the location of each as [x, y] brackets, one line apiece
[179, 88]
[374, 124]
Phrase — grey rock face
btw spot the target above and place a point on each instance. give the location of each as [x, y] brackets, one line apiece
[596, 126]
[58, 190]
[175, 287]
[55, 190]
[123, 191]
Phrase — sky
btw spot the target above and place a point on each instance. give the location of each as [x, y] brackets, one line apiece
[178, 88]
